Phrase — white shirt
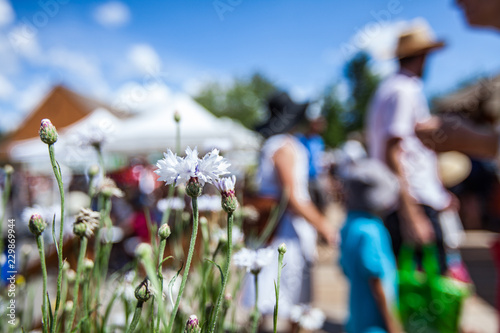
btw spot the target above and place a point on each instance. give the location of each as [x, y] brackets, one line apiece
[397, 106]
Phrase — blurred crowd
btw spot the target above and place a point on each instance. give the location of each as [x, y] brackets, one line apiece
[407, 207]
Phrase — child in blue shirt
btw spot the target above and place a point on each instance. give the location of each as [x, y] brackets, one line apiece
[366, 253]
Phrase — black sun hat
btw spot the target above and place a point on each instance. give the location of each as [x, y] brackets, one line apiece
[284, 114]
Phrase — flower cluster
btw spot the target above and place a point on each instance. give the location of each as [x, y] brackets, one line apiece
[253, 260]
[191, 169]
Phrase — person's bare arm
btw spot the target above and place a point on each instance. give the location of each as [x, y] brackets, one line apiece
[284, 161]
[379, 295]
[418, 226]
[454, 133]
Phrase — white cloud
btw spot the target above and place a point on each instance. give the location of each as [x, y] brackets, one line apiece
[29, 98]
[24, 42]
[144, 58]
[112, 14]
[133, 96]
[6, 88]
[6, 13]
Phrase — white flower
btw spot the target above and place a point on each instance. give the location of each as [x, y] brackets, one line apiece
[225, 184]
[211, 167]
[176, 170]
[172, 203]
[168, 167]
[311, 319]
[209, 203]
[253, 260]
[219, 235]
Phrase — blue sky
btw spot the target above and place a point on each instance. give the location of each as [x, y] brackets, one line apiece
[135, 52]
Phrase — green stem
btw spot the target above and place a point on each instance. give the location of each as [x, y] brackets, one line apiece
[41, 250]
[85, 291]
[163, 243]
[178, 138]
[255, 314]
[137, 317]
[280, 266]
[79, 268]
[58, 175]
[5, 199]
[188, 264]
[225, 277]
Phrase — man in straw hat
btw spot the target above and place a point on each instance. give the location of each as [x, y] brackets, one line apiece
[398, 104]
[445, 134]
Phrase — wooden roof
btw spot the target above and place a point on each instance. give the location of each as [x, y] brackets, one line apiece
[63, 107]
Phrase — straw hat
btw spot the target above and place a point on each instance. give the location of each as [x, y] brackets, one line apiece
[453, 167]
[418, 39]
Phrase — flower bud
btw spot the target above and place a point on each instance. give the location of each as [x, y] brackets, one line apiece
[66, 266]
[71, 275]
[164, 231]
[192, 325]
[47, 132]
[88, 265]
[93, 170]
[282, 248]
[177, 116]
[68, 306]
[36, 224]
[229, 203]
[203, 220]
[8, 169]
[143, 251]
[143, 292]
[194, 187]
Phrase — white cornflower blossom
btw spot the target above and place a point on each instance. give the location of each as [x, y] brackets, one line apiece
[168, 167]
[173, 169]
[311, 319]
[225, 184]
[211, 167]
[253, 260]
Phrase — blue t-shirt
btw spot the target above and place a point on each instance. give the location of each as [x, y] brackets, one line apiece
[366, 253]
[315, 147]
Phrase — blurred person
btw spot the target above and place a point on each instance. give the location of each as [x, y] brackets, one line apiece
[398, 104]
[366, 255]
[445, 134]
[284, 171]
[315, 146]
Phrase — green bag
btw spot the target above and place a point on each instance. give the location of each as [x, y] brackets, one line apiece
[428, 301]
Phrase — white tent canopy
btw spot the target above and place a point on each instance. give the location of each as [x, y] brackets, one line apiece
[70, 146]
[150, 131]
[155, 130]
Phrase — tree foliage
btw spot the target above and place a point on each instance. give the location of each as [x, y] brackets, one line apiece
[243, 100]
[348, 116]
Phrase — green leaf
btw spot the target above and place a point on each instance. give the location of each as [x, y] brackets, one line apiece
[171, 285]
